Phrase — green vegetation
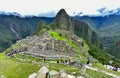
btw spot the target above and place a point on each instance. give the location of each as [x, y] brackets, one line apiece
[12, 68]
[99, 54]
[51, 64]
[57, 35]
[68, 69]
[95, 74]
[101, 67]
[27, 57]
[41, 25]
[114, 50]
[14, 46]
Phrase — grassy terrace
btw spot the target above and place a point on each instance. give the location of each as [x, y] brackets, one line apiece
[12, 68]
[56, 35]
[15, 68]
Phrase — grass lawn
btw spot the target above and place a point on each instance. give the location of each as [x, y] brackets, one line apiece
[12, 68]
[94, 74]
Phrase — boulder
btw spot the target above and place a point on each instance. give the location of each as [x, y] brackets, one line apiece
[32, 75]
[63, 74]
[54, 74]
[73, 73]
[1, 76]
[80, 77]
[43, 72]
[70, 76]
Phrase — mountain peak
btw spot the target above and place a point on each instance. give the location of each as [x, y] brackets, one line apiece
[62, 15]
[62, 11]
[63, 20]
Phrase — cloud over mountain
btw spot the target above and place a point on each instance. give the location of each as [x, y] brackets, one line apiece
[105, 11]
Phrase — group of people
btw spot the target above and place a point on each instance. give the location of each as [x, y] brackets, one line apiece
[115, 67]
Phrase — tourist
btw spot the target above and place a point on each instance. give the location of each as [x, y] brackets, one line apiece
[115, 68]
[88, 60]
[110, 63]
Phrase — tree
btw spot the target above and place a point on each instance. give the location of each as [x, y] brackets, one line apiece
[41, 25]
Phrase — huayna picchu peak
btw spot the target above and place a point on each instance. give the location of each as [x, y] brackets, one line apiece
[65, 22]
[62, 14]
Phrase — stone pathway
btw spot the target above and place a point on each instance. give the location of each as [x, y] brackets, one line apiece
[102, 71]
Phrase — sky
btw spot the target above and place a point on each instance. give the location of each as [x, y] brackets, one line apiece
[51, 7]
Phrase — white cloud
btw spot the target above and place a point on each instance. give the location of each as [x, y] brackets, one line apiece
[33, 7]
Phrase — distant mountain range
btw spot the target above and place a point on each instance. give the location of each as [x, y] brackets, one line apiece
[14, 27]
[107, 27]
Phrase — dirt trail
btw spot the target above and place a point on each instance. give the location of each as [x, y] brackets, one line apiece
[102, 71]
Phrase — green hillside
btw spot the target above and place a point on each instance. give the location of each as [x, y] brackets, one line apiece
[13, 68]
